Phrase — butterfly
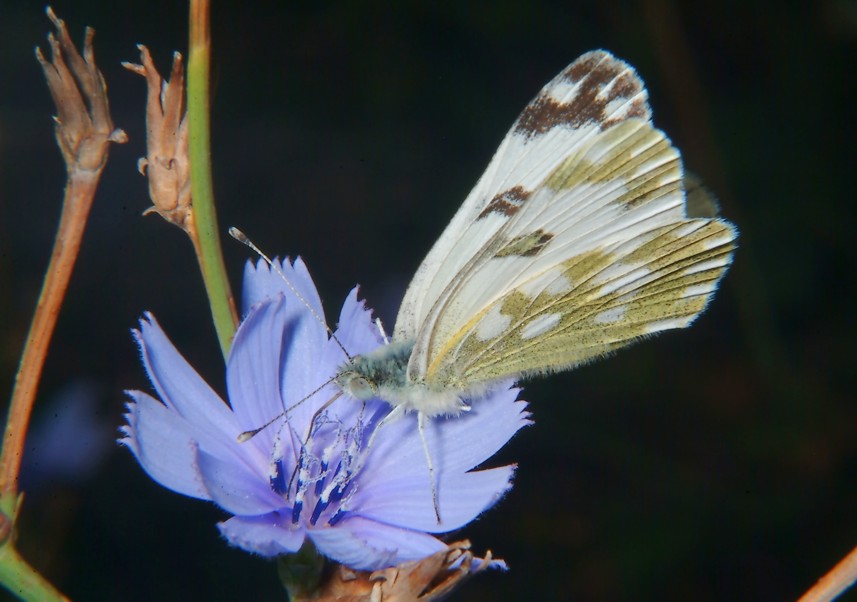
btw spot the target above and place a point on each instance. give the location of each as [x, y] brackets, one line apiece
[575, 242]
[583, 236]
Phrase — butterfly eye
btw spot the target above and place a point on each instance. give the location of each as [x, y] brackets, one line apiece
[357, 386]
[363, 389]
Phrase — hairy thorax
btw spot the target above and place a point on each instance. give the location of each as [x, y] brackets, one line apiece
[383, 373]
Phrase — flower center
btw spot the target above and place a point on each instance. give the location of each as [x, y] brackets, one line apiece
[323, 482]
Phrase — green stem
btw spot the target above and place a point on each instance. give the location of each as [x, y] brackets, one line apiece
[207, 240]
[300, 573]
[22, 580]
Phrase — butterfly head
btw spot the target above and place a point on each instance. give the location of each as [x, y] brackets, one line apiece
[372, 374]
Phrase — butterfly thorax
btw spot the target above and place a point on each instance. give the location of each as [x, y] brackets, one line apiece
[383, 373]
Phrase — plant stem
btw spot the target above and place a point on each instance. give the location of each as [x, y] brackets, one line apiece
[79, 194]
[23, 581]
[207, 239]
[839, 579]
[15, 574]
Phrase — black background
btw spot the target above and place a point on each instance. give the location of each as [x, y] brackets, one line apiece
[717, 463]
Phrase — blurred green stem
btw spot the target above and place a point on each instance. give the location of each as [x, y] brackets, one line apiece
[300, 573]
[207, 240]
[22, 580]
[15, 574]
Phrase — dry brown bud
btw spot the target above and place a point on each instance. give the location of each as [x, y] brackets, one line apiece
[83, 125]
[166, 163]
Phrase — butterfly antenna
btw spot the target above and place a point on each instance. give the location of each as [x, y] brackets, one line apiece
[242, 238]
[247, 435]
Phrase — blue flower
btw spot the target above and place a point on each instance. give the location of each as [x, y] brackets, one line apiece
[365, 509]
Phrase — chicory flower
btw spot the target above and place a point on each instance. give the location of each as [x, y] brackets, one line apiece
[309, 473]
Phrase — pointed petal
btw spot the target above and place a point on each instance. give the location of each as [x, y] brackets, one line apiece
[178, 384]
[357, 330]
[161, 441]
[407, 502]
[261, 283]
[364, 544]
[236, 489]
[208, 420]
[463, 497]
[253, 366]
[470, 439]
[456, 444]
[267, 535]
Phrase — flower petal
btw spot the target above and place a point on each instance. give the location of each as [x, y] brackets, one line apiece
[178, 384]
[368, 545]
[235, 488]
[253, 366]
[269, 535]
[463, 497]
[357, 331]
[407, 502]
[261, 282]
[456, 444]
[469, 439]
[273, 365]
[161, 441]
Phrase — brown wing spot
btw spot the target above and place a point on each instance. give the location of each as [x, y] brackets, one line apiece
[506, 203]
[626, 85]
[638, 109]
[583, 66]
[526, 245]
[601, 79]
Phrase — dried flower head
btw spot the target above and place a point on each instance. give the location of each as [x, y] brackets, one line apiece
[166, 163]
[83, 128]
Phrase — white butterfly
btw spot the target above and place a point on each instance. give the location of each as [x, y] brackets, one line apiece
[575, 242]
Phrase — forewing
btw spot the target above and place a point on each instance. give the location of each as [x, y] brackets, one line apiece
[601, 254]
[592, 94]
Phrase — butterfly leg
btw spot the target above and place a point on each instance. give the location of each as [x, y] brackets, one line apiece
[394, 415]
[382, 331]
[421, 425]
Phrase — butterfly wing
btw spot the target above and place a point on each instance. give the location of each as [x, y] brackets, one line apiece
[593, 92]
[575, 242]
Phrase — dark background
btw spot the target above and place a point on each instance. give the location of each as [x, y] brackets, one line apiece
[716, 463]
